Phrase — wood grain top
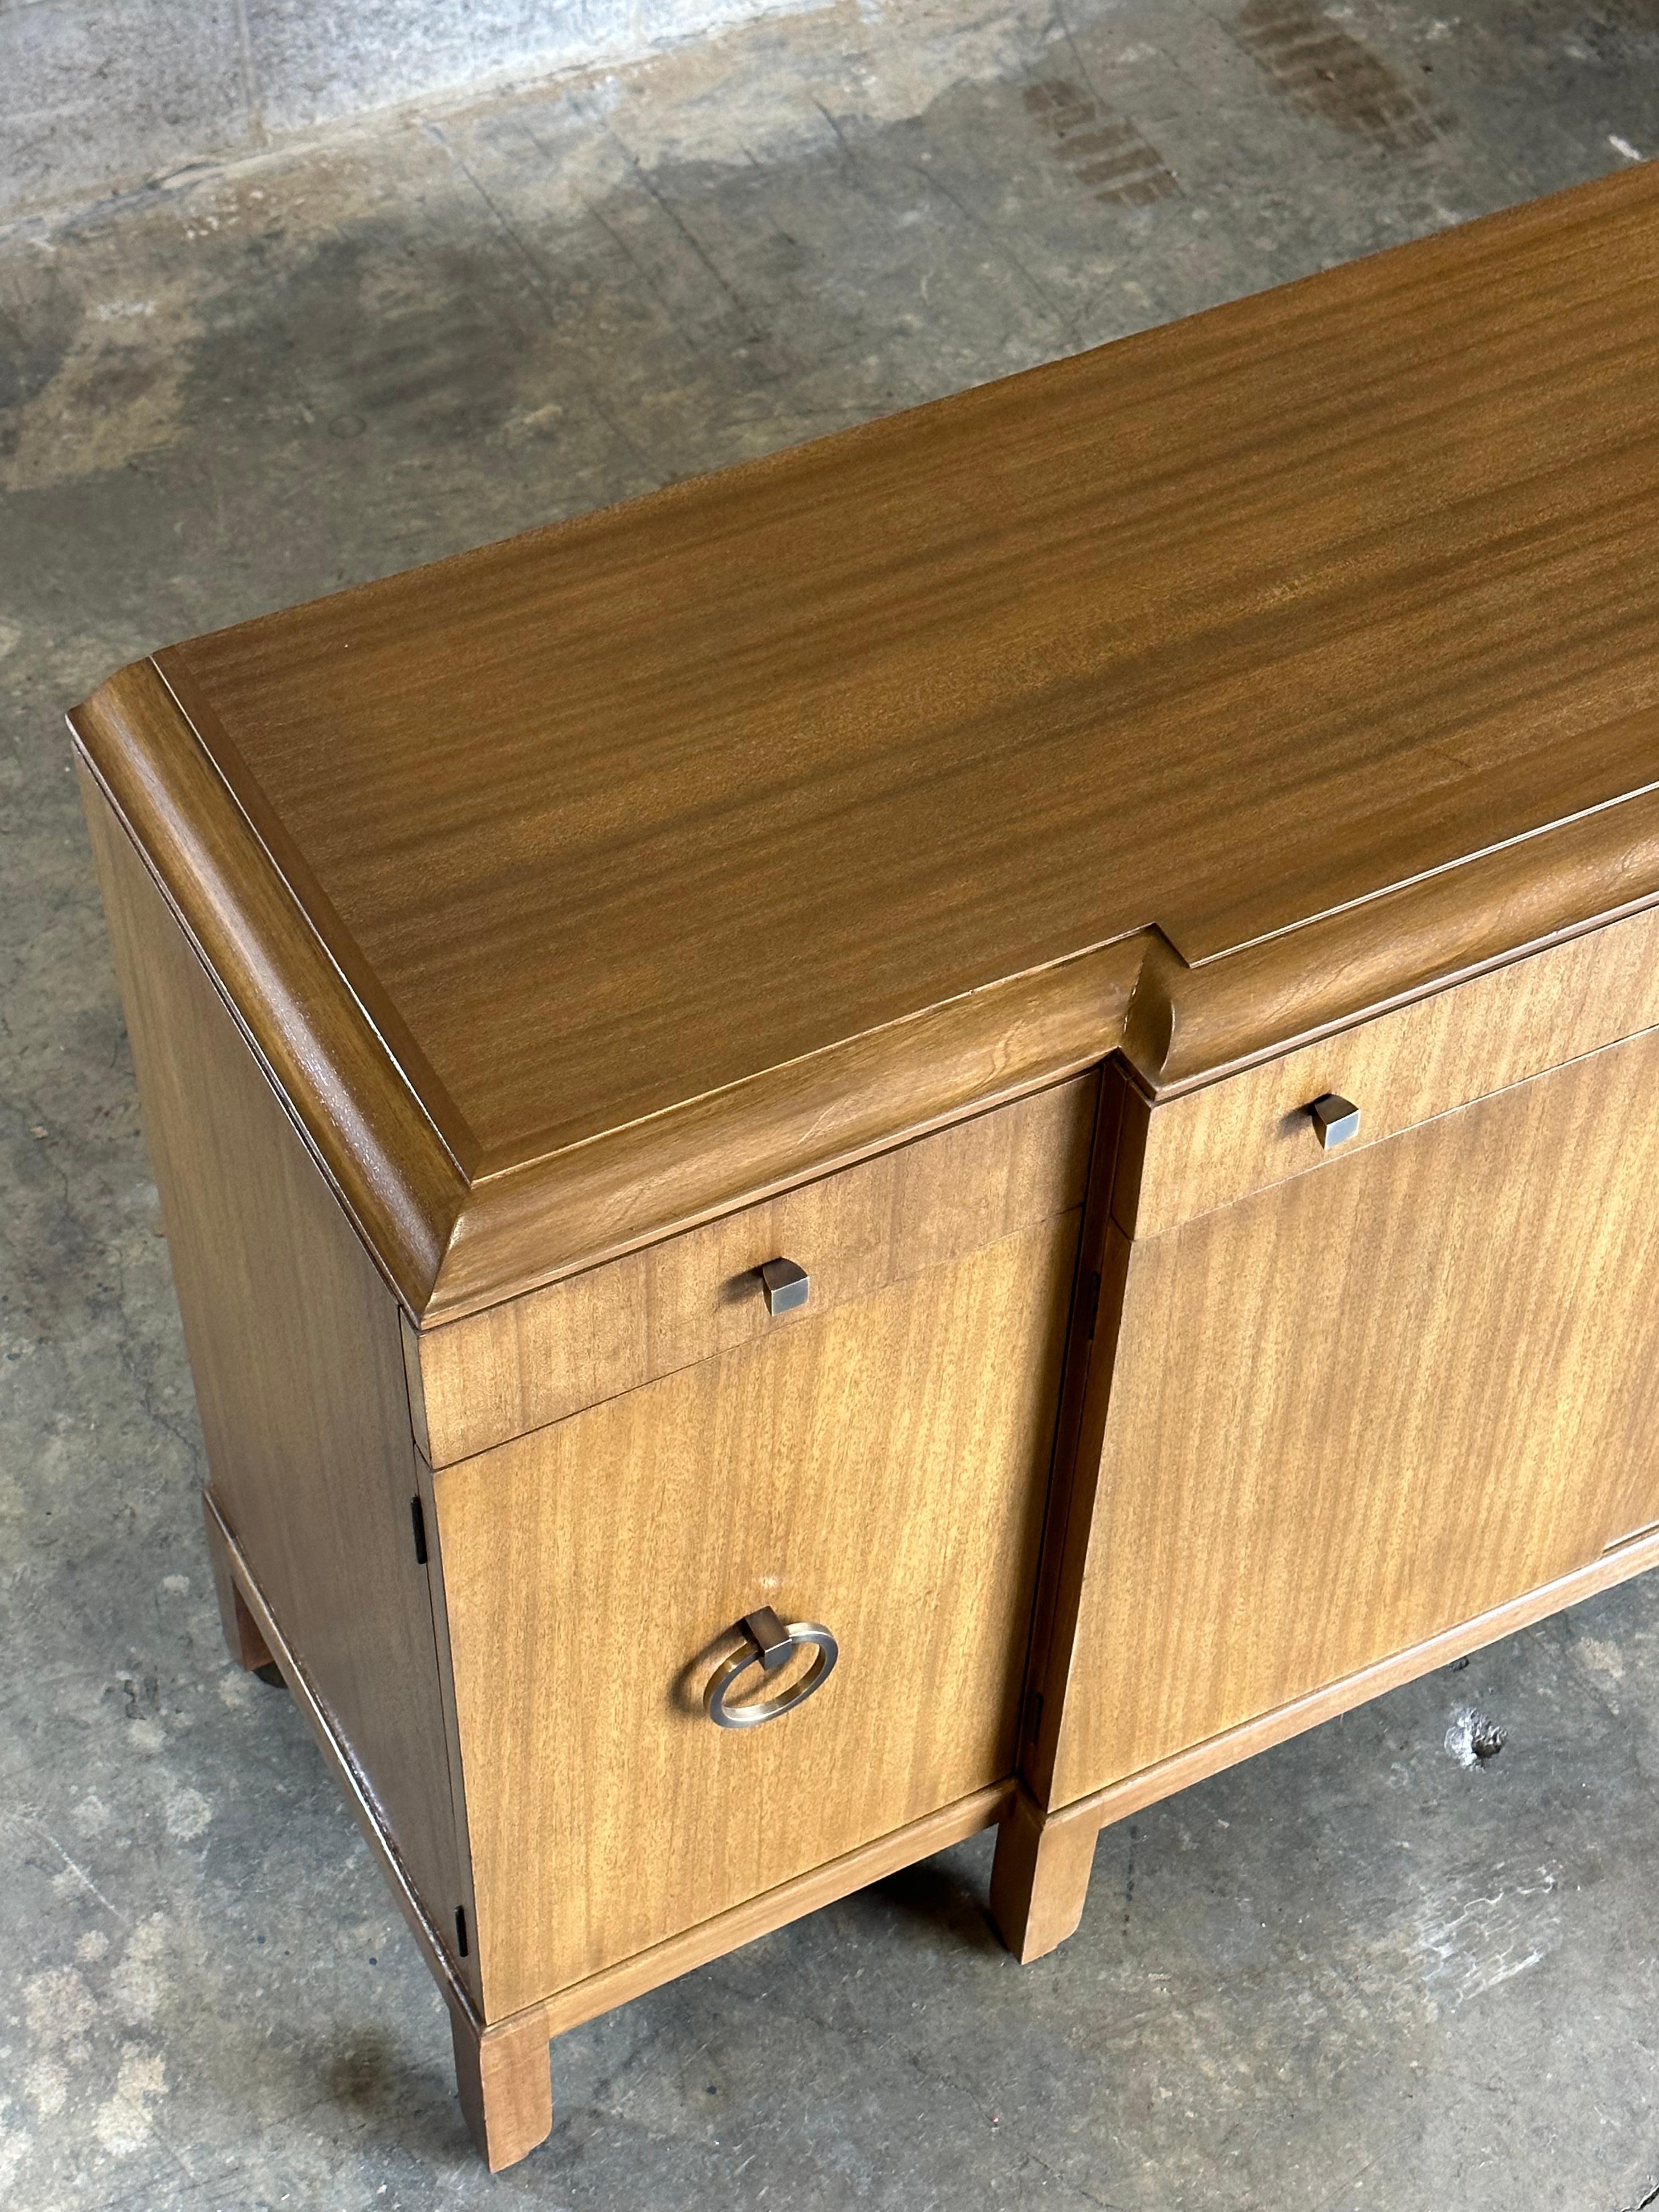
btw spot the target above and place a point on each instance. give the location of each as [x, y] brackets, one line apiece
[696, 830]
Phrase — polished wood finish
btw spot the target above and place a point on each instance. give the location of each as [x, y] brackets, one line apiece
[368, 1131]
[1187, 1026]
[1218, 1144]
[951, 857]
[881, 1469]
[365, 1803]
[1039, 1878]
[535, 1359]
[662, 817]
[1087, 1815]
[246, 1645]
[1015, 637]
[294, 1343]
[506, 2088]
[450, 1246]
[501, 2075]
[516, 2036]
[503, 2070]
[1362, 1405]
[775, 1908]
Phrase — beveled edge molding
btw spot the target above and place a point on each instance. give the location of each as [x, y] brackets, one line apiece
[1620, 1562]
[354, 1784]
[450, 1244]
[328, 1063]
[653, 1178]
[315, 904]
[1190, 1026]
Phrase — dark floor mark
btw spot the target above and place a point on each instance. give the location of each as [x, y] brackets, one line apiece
[362, 2073]
[1106, 153]
[1129, 1876]
[1474, 1737]
[1326, 72]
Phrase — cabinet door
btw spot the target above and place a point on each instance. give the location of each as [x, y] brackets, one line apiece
[881, 1469]
[1366, 1405]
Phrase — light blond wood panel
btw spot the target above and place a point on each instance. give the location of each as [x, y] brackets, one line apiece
[1039, 1879]
[775, 1908]
[1362, 1405]
[293, 1345]
[1216, 1145]
[1621, 1563]
[505, 2090]
[518, 1367]
[881, 1469]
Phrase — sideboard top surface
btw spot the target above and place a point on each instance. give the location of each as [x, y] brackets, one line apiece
[1208, 640]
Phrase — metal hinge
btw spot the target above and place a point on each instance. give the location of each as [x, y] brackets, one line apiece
[417, 1518]
[1033, 1715]
[1091, 1302]
[460, 1930]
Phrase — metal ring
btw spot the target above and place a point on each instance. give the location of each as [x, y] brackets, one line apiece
[749, 1654]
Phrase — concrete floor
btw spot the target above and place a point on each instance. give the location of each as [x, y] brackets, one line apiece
[1352, 1974]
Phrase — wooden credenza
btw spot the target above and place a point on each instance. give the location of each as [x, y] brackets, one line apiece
[934, 1133]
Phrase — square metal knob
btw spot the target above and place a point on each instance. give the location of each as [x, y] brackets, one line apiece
[1335, 1119]
[785, 1285]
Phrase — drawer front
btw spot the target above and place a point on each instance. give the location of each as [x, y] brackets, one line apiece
[1191, 1154]
[880, 1468]
[1365, 1406]
[518, 1366]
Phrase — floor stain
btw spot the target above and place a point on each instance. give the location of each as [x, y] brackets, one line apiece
[362, 2073]
[1326, 72]
[1106, 153]
[114, 393]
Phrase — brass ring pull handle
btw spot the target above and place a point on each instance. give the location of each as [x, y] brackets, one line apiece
[767, 1643]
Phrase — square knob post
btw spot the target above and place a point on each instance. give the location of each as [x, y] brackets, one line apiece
[785, 1285]
[1335, 1120]
[770, 1639]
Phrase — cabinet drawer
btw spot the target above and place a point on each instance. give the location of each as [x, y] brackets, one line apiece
[534, 1360]
[1188, 1155]
[880, 1467]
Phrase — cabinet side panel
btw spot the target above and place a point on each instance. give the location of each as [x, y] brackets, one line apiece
[1366, 1406]
[294, 1347]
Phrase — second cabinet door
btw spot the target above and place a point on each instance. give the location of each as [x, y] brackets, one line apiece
[882, 1470]
[1368, 1404]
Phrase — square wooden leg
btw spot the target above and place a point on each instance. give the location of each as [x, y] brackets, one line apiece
[1040, 1878]
[247, 1645]
[506, 2088]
